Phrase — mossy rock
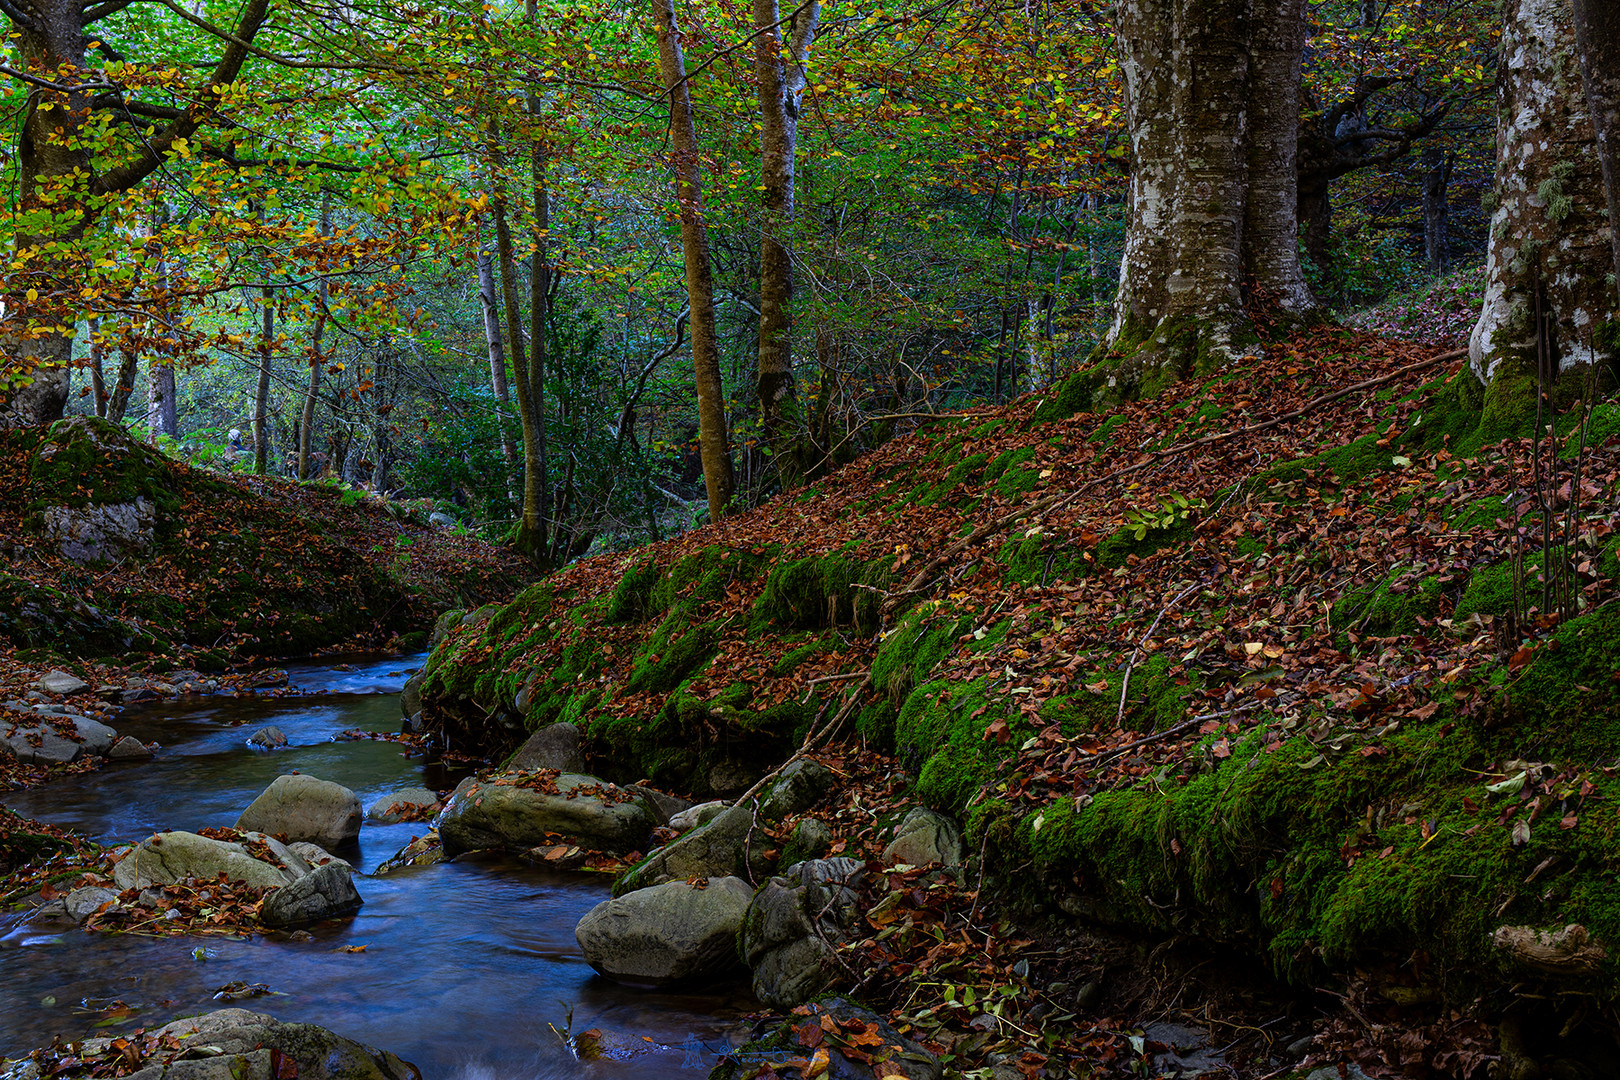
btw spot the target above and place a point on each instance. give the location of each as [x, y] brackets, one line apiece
[705, 575]
[673, 654]
[1068, 397]
[632, 596]
[1040, 557]
[84, 461]
[820, 592]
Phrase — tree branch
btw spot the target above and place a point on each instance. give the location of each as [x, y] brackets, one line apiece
[186, 125]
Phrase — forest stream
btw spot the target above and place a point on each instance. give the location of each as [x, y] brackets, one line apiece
[468, 969]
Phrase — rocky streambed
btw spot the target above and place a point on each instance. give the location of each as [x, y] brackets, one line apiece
[465, 967]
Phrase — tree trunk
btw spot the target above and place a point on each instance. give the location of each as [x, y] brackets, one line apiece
[497, 363]
[98, 371]
[129, 364]
[534, 373]
[1211, 99]
[713, 442]
[1270, 223]
[531, 525]
[56, 171]
[1549, 238]
[1597, 37]
[781, 77]
[1437, 212]
[162, 417]
[261, 393]
[312, 389]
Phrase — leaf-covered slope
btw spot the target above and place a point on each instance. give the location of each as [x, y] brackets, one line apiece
[1237, 659]
[217, 565]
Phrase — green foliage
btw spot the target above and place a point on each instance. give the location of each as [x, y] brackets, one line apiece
[1172, 510]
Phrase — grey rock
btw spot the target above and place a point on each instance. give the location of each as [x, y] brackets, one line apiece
[555, 746]
[43, 744]
[61, 682]
[128, 748]
[410, 697]
[663, 805]
[795, 789]
[667, 934]
[730, 845]
[925, 837]
[421, 851]
[500, 813]
[315, 855]
[412, 725]
[234, 1044]
[302, 807]
[175, 856]
[731, 777]
[442, 626]
[410, 804]
[327, 892]
[701, 814]
[788, 935]
[268, 737]
[80, 904]
[101, 533]
[811, 839]
[441, 520]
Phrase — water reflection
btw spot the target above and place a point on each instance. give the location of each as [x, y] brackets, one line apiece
[469, 969]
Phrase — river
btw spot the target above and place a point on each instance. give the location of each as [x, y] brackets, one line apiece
[470, 969]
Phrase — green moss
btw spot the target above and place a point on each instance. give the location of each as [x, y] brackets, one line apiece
[83, 461]
[1070, 396]
[1396, 605]
[1115, 549]
[1006, 460]
[1017, 482]
[632, 596]
[1105, 430]
[1564, 704]
[924, 637]
[1040, 558]
[673, 653]
[821, 592]
[706, 574]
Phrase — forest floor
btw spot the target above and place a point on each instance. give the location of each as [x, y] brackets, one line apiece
[1297, 681]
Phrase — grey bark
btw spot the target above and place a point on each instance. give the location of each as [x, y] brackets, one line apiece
[497, 360]
[261, 392]
[1597, 39]
[162, 417]
[781, 74]
[1211, 96]
[312, 388]
[1437, 212]
[713, 440]
[1550, 229]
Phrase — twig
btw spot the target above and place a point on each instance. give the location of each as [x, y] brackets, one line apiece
[1125, 688]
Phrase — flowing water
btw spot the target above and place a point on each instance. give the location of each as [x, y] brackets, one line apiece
[470, 969]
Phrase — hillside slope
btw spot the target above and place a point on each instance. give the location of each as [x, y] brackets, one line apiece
[1250, 662]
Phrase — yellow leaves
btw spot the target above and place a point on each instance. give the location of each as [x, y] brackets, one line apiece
[33, 294]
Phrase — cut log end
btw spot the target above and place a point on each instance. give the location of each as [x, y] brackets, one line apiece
[1569, 952]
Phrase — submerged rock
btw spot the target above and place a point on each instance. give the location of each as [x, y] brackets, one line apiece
[667, 934]
[508, 812]
[302, 807]
[421, 851]
[268, 737]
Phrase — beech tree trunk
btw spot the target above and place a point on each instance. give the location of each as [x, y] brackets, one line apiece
[713, 442]
[1550, 230]
[1212, 103]
[1597, 39]
[781, 76]
[497, 362]
[317, 360]
[531, 528]
[98, 369]
[129, 364]
[162, 416]
[261, 393]
[1437, 212]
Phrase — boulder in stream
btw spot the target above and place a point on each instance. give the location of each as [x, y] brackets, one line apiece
[327, 892]
[300, 807]
[268, 737]
[518, 810]
[175, 856]
[129, 748]
[412, 804]
[55, 739]
[235, 1044]
[667, 934]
